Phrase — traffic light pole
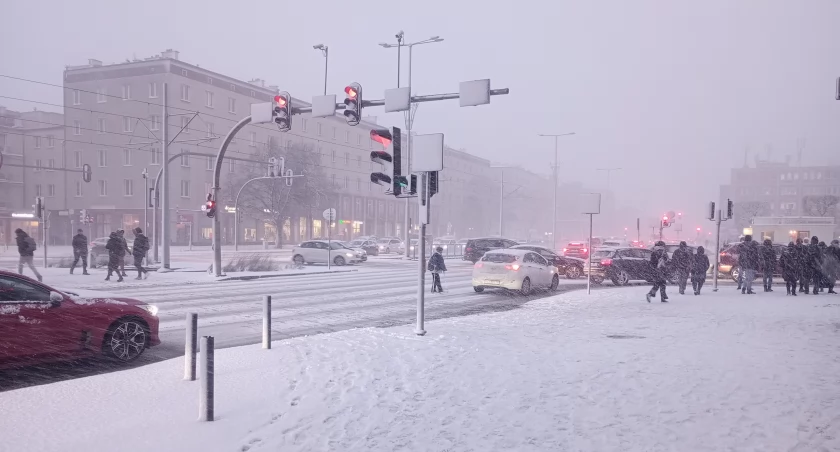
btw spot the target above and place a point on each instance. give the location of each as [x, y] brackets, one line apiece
[165, 221]
[422, 192]
[718, 221]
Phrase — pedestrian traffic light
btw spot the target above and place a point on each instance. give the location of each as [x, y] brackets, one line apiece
[276, 166]
[390, 141]
[353, 103]
[666, 221]
[209, 208]
[39, 207]
[82, 215]
[729, 207]
[433, 183]
[711, 210]
[283, 111]
[412, 189]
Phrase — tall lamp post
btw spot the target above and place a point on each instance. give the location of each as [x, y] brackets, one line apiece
[409, 120]
[326, 52]
[556, 158]
[609, 173]
[501, 197]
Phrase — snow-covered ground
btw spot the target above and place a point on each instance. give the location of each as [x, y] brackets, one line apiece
[604, 372]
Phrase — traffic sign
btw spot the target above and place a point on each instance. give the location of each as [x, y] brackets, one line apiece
[329, 214]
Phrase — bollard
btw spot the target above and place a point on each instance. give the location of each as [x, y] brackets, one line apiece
[267, 322]
[205, 401]
[190, 346]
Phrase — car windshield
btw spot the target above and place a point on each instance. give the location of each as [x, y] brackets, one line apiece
[337, 246]
[603, 253]
[357, 243]
[384, 241]
[498, 258]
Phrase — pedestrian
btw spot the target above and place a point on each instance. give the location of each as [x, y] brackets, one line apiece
[437, 266]
[26, 248]
[127, 250]
[813, 264]
[789, 262]
[768, 264]
[748, 260]
[681, 261]
[139, 250]
[658, 264]
[116, 254]
[831, 265]
[824, 276]
[804, 274]
[80, 251]
[699, 267]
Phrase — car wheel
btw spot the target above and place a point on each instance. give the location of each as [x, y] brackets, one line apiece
[126, 340]
[526, 287]
[478, 289]
[573, 272]
[734, 274]
[339, 260]
[555, 281]
[298, 259]
[621, 279]
[597, 280]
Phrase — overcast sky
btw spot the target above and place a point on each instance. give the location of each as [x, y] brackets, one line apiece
[670, 91]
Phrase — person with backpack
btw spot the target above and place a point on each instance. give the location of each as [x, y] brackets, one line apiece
[116, 254]
[789, 261]
[813, 264]
[748, 260]
[26, 248]
[682, 265]
[139, 250]
[658, 263]
[768, 264]
[437, 266]
[126, 250]
[699, 266]
[80, 251]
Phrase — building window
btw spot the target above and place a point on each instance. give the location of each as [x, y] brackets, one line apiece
[252, 139]
[126, 92]
[38, 165]
[185, 189]
[77, 127]
[101, 95]
[79, 191]
[346, 158]
[155, 122]
[303, 124]
[209, 130]
[37, 142]
[184, 72]
[185, 93]
[185, 124]
[51, 165]
[346, 183]
[126, 124]
[208, 99]
[210, 163]
[126, 157]
[77, 158]
[103, 188]
[128, 187]
[333, 156]
[155, 160]
[209, 80]
[38, 191]
[231, 105]
[231, 165]
[152, 90]
[359, 161]
[253, 94]
[370, 186]
[185, 160]
[335, 132]
[346, 136]
[77, 97]
[50, 141]
[332, 181]
[100, 127]
[319, 129]
[233, 87]
[103, 159]
[358, 184]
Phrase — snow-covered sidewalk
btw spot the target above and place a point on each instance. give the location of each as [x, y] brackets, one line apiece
[605, 372]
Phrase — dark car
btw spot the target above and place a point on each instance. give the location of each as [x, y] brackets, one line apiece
[729, 261]
[41, 324]
[370, 246]
[572, 267]
[576, 249]
[475, 248]
[621, 265]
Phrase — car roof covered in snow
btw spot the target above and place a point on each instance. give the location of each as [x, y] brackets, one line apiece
[510, 251]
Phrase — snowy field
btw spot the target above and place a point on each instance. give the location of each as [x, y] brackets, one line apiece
[605, 372]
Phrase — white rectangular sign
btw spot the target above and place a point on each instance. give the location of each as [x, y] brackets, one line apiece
[323, 106]
[476, 92]
[590, 203]
[397, 99]
[262, 113]
[427, 152]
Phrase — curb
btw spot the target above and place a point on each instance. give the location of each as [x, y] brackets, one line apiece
[251, 277]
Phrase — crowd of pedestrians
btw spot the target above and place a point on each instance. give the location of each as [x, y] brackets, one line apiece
[685, 264]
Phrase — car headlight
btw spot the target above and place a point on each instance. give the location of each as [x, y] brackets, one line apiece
[150, 308]
[349, 254]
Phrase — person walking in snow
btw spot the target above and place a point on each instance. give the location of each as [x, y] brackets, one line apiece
[116, 254]
[813, 265]
[26, 248]
[437, 266]
[80, 251]
[658, 263]
[139, 250]
[121, 234]
[831, 265]
[699, 267]
[682, 265]
[768, 264]
[801, 255]
[789, 262]
[748, 260]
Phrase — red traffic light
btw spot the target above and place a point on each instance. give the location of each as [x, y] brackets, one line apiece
[280, 101]
[381, 136]
[351, 92]
[665, 218]
[698, 228]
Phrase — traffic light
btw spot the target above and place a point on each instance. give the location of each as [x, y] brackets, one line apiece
[209, 207]
[711, 210]
[433, 183]
[666, 221]
[388, 139]
[276, 166]
[353, 103]
[86, 173]
[729, 209]
[412, 190]
[39, 207]
[82, 216]
[283, 111]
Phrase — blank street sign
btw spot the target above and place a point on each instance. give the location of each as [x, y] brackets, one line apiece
[397, 99]
[427, 152]
[476, 92]
[323, 106]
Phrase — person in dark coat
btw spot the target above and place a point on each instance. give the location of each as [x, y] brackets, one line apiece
[804, 274]
[116, 254]
[699, 267]
[813, 264]
[80, 251]
[437, 266]
[681, 260]
[658, 264]
[121, 234]
[139, 250]
[26, 249]
[748, 260]
[789, 262]
[768, 264]
[831, 265]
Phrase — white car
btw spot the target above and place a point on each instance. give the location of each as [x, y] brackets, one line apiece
[322, 251]
[391, 245]
[514, 269]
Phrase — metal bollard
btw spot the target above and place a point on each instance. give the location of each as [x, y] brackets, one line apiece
[205, 401]
[266, 322]
[190, 346]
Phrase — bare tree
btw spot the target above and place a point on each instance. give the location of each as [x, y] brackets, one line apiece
[820, 206]
[746, 211]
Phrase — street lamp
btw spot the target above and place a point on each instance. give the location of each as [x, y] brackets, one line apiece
[501, 197]
[609, 173]
[554, 220]
[409, 119]
[326, 52]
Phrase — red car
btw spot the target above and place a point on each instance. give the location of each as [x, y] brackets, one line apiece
[576, 249]
[41, 324]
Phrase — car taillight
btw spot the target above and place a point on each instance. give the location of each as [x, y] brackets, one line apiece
[513, 267]
[479, 265]
[606, 262]
[468, 249]
[584, 250]
[565, 249]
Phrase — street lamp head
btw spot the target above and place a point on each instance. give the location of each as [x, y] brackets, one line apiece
[385, 45]
[399, 35]
[318, 47]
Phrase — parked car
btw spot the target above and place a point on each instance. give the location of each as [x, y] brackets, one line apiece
[475, 248]
[323, 251]
[620, 265]
[614, 243]
[355, 249]
[729, 261]
[514, 269]
[449, 245]
[369, 246]
[40, 324]
[391, 245]
[572, 267]
[576, 249]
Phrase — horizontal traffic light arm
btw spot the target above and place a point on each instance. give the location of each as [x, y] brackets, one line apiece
[414, 99]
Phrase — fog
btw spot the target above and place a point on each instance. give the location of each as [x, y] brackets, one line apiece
[672, 93]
